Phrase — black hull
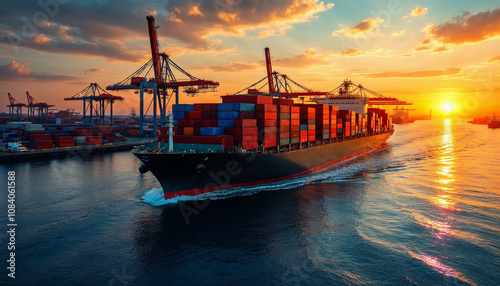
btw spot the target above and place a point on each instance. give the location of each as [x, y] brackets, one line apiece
[195, 173]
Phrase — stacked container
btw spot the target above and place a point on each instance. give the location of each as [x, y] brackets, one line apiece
[284, 124]
[308, 122]
[267, 123]
[294, 124]
[322, 121]
[246, 133]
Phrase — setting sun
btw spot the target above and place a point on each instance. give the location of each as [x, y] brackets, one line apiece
[448, 107]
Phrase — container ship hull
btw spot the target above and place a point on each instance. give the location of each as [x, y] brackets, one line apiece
[190, 174]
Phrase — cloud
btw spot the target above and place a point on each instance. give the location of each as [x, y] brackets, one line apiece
[417, 12]
[15, 71]
[105, 29]
[429, 73]
[229, 67]
[18, 68]
[466, 28]
[352, 52]
[94, 70]
[41, 39]
[494, 59]
[195, 11]
[309, 58]
[398, 33]
[236, 18]
[364, 28]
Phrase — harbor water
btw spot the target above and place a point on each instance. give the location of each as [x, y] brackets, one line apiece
[422, 210]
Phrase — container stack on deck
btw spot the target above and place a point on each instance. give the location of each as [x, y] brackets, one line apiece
[259, 122]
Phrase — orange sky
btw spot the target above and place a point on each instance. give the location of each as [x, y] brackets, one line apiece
[424, 52]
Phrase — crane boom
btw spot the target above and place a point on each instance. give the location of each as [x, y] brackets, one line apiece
[269, 71]
[11, 100]
[153, 40]
[30, 98]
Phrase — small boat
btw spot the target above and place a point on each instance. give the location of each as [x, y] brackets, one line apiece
[494, 122]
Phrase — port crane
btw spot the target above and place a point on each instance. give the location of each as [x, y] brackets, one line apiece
[37, 109]
[95, 102]
[164, 84]
[15, 107]
[349, 89]
[279, 85]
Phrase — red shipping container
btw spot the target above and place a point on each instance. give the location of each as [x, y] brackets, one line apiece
[246, 131]
[295, 128]
[255, 99]
[214, 107]
[225, 140]
[303, 139]
[284, 108]
[303, 133]
[266, 108]
[273, 129]
[247, 115]
[267, 136]
[192, 114]
[295, 134]
[266, 115]
[295, 122]
[205, 114]
[295, 116]
[245, 122]
[284, 128]
[267, 123]
[246, 138]
[311, 138]
[205, 123]
[249, 145]
[284, 122]
[269, 143]
[282, 101]
[294, 109]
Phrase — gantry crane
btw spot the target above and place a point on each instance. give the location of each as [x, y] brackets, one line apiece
[164, 80]
[279, 85]
[95, 101]
[15, 108]
[37, 109]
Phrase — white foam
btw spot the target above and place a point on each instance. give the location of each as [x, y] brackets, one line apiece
[333, 174]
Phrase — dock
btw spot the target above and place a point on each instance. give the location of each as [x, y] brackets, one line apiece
[75, 151]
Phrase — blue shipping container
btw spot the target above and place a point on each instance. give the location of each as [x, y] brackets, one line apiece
[225, 123]
[182, 107]
[243, 107]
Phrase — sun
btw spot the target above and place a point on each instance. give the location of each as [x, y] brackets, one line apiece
[448, 107]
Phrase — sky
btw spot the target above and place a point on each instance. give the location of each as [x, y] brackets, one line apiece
[439, 55]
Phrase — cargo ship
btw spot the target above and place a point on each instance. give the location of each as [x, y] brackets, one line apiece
[252, 139]
[482, 120]
[494, 122]
[402, 116]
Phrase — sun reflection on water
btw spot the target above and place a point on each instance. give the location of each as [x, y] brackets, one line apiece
[445, 179]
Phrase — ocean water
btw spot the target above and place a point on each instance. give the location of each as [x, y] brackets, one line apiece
[422, 210]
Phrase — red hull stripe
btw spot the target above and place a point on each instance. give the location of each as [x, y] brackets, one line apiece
[198, 191]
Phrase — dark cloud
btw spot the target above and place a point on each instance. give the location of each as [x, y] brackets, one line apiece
[15, 71]
[110, 29]
[467, 28]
